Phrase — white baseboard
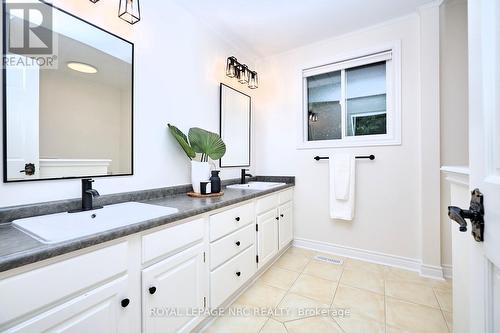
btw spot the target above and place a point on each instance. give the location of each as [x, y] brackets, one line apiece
[372, 256]
[430, 271]
[447, 271]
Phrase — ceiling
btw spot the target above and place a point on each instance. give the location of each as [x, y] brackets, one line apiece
[111, 71]
[267, 27]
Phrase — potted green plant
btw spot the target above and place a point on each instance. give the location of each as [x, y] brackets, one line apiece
[199, 145]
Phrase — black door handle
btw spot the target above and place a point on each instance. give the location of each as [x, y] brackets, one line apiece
[125, 302]
[29, 169]
[152, 290]
[475, 214]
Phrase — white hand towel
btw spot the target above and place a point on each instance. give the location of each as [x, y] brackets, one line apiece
[342, 185]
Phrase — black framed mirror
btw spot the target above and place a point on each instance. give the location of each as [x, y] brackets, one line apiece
[68, 90]
[235, 127]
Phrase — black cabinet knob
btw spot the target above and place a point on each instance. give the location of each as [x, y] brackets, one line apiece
[238, 243]
[277, 218]
[125, 302]
[238, 273]
[282, 215]
[237, 219]
[152, 290]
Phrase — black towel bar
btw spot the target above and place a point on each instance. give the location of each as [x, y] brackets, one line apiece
[370, 157]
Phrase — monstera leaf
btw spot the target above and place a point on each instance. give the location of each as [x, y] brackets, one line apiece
[207, 143]
[182, 140]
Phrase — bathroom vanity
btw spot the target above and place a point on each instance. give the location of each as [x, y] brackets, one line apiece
[160, 275]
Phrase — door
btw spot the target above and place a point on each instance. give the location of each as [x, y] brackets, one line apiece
[99, 310]
[267, 236]
[22, 120]
[285, 224]
[484, 159]
[172, 288]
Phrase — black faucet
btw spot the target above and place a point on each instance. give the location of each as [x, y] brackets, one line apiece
[244, 176]
[88, 195]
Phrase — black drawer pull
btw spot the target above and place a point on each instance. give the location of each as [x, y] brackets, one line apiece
[125, 302]
[237, 219]
[152, 290]
[238, 273]
[238, 243]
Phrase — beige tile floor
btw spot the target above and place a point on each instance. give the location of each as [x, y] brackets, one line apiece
[378, 298]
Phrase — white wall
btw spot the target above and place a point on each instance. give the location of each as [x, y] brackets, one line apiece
[454, 105]
[89, 129]
[387, 189]
[178, 66]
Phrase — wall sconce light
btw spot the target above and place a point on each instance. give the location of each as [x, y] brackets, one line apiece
[242, 73]
[254, 80]
[231, 67]
[129, 11]
[243, 78]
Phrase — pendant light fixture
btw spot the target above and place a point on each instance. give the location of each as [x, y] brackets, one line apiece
[129, 11]
[241, 72]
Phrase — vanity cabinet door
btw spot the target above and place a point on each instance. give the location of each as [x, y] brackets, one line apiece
[172, 287]
[267, 236]
[285, 224]
[104, 309]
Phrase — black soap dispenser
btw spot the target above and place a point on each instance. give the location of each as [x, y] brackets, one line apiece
[215, 183]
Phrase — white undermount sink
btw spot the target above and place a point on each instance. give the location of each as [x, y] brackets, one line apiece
[258, 186]
[65, 226]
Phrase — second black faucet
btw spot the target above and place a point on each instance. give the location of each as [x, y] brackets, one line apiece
[244, 176]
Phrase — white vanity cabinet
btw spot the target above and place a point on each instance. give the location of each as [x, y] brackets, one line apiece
[98, 310]
[172, 287]
[177, 281]
[86, 293]
[285, 212]
[267, 235]
[160, 280]
[233, 258]
[274, 224]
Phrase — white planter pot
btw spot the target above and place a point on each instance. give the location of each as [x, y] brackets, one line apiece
[200, 172]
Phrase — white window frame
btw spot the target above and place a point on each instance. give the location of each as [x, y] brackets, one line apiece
[391, 53]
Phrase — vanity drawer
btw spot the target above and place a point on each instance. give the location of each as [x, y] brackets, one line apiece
[171, 239]
[224, 223]
[47, 286]
[231, 245]
[226, 279]
[286, 196]
[267, 203]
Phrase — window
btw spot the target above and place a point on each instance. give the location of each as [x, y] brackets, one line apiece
[353, 102]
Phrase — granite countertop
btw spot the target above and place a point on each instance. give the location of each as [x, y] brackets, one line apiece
[19, 249]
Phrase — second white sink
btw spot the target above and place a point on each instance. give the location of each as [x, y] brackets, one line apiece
[258, 186]
[65, 226]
